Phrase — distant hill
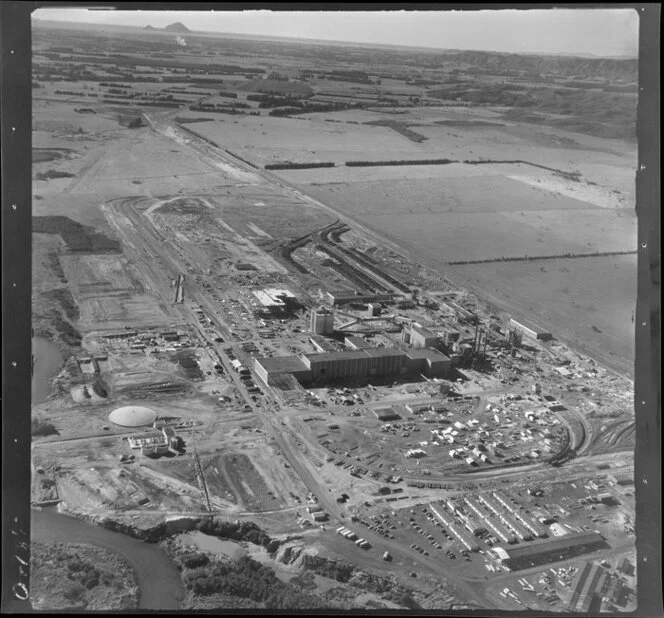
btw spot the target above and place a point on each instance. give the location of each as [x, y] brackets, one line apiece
[148, 27]
[177, 27]
[570, 66]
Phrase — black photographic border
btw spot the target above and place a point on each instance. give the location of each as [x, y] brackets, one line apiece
[15, 109]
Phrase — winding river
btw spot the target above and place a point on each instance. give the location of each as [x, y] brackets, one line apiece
[158, 579]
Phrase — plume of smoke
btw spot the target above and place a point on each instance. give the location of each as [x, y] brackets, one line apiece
[180, 41]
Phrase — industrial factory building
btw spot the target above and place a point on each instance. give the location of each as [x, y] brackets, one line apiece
[321, 344]
[345, 297]
[591, 584]
[530, 330]
[386, 413]
[322, 321]
[354, 365]
[537, 553]
[431, 363]
[270, 369]
[420, 337]
[276, 301]
[354, 342]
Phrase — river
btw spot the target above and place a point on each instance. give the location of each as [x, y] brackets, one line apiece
[47, 361]
[158, 580]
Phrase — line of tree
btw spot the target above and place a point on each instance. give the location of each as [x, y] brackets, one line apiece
[143, 103]
[400, 162]
[213, 107]
[267, 101]
[297, 166]
[541, 257]
[314, 107]
[198, 135]
[200, 93]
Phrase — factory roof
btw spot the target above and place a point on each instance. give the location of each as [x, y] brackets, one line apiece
[529, 325]
[383, 352]
[281, 364]
[266, 300]
[323, 357]
[270, 297]
[321, 343]
[356, 341]
[345, 293]
[425, 332]
[274, 292]
[559, 543]
[427, 353]
[386, 413]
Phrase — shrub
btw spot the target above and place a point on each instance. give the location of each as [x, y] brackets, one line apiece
[92, 582]
[100, 387]
[74, 592]
[41, 427]
[194, 560]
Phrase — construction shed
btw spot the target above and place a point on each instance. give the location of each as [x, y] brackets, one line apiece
[530, 330]
[538, 553]
[386, 413]
[620, 478]
[131, 119]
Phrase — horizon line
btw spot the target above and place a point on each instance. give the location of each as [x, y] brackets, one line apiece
[337, 41]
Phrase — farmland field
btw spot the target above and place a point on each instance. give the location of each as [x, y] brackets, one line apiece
[439, 219]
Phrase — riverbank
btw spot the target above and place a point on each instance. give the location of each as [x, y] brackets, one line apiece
[80, 577]
[158, 580]
[47, 361]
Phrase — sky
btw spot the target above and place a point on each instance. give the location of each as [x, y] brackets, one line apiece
[600, 32]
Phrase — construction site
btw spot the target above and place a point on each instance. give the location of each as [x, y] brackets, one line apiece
[247, 351]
